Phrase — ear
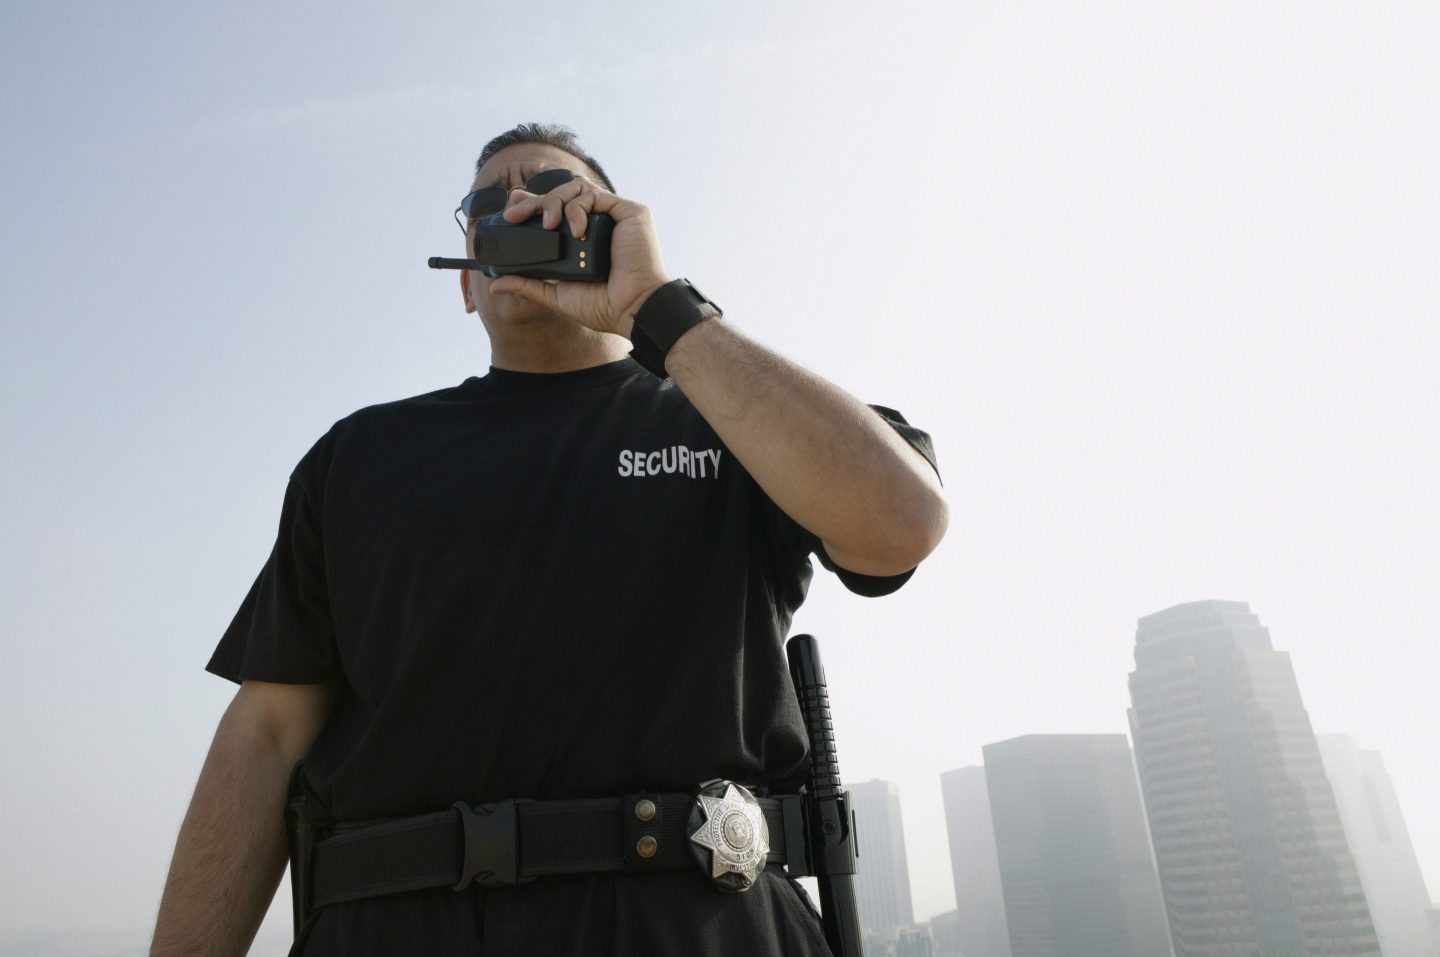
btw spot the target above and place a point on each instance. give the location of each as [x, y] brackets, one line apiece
[465, 290]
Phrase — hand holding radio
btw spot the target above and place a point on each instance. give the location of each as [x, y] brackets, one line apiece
[578, 250]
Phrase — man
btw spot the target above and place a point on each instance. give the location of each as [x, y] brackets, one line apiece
[569, 578]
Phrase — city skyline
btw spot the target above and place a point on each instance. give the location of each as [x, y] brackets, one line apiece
[1208, 682]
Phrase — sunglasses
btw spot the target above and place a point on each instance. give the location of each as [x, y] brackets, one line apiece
[491, 199]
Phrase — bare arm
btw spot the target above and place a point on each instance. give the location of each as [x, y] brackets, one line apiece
[231, 852]
[829, 461]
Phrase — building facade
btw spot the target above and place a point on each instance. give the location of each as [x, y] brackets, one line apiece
[882, 886]
[979, 922]
[1075, 863]
[1378, 838]
[1247, 837]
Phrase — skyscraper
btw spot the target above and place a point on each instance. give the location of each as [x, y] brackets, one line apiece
[979, 903]
[1247, 837]
[1376, 832]
[1075, 862]
[883, 885]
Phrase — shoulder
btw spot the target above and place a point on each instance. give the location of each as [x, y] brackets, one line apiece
[410, 405]
[364, 427]
[386, 415]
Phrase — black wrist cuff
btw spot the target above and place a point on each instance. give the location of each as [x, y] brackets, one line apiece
[668, 314]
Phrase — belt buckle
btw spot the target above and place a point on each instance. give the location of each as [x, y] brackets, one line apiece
[728, 835]
[491, 844]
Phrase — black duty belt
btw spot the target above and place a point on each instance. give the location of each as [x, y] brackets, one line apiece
[512, 841]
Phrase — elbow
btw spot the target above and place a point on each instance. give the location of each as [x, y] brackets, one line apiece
[917, 516]
[919, 532]
[901, 538]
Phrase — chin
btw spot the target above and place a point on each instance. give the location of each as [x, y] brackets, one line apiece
[513, 311]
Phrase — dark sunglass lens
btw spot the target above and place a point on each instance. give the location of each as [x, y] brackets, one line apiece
[483, 202]
[542, 183]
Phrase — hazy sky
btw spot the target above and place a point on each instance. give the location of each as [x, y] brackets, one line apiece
[1159, 278]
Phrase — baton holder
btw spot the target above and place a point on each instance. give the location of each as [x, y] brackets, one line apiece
[300, 835]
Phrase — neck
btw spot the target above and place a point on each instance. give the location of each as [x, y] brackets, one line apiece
[554, 347]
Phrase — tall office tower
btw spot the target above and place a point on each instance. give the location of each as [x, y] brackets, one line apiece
[979, 903]
[1075, 861]
[1252, 856]
[1376, 832]
[882, 887]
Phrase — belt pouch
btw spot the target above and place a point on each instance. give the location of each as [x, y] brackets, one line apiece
[300, 835]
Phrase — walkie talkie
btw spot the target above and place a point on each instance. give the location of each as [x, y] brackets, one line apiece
[529, 249]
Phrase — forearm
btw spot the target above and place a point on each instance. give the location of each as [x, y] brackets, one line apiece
[231, 852]
[829, 461]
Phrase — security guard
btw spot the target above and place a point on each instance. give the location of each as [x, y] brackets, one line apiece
[526, 631]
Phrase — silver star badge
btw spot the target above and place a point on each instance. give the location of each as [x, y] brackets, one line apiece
[735, 832]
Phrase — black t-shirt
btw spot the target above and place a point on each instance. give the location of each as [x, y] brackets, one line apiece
[541, 586]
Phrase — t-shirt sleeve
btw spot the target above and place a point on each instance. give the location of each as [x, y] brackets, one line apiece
[283, 631]
[791, 532]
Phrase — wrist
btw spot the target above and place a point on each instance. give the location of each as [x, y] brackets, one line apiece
[667, 313]
[626, 322]
[689, 353]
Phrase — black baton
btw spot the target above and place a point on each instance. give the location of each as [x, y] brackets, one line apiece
[830, 824]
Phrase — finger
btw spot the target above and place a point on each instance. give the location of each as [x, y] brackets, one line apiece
[520, 206]
[577, 213]
[555, 201]
[551, 206]
[603, 201]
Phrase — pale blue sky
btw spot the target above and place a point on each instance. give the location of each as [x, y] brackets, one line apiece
[1159, 279]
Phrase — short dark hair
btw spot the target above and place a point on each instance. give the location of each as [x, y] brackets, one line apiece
[545, 134]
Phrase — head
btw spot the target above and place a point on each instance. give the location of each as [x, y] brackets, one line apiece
[543, 134]
[509, 160]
